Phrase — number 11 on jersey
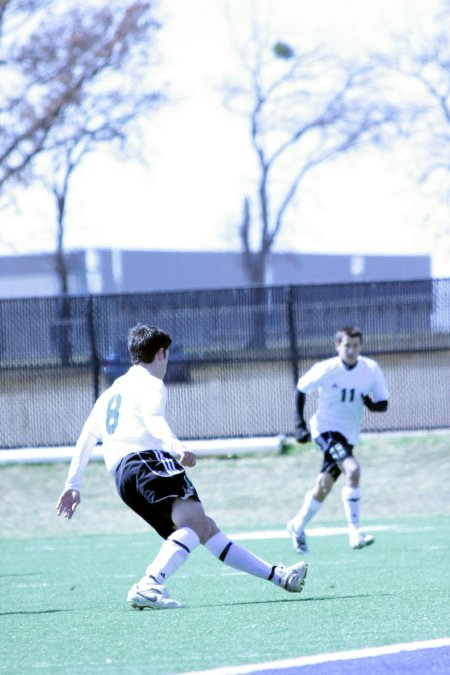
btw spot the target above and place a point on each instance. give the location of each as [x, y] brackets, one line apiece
[351, 395]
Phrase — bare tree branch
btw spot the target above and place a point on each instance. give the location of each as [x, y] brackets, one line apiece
[72, 81]
[302, 112]
[422, 68]
[77, 67]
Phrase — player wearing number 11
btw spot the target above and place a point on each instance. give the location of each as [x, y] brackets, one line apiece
[345, 384]
[147, 463]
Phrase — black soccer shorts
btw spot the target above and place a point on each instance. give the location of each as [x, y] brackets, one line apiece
[335, 448]
[149, 482]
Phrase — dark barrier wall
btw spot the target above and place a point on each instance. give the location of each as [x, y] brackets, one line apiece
[235, 357]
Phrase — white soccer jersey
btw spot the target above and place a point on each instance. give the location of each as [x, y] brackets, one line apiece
[128, 417]
[340, 390]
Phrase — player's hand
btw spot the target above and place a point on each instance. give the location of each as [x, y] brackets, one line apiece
[302, 434]
[188, 458]
[68, 503]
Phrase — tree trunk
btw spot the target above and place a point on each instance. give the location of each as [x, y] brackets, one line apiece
[64, 324]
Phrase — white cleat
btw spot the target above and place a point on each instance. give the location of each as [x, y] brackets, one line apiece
[152, 595]
[292, 578]
[361, 541]
[298, 539]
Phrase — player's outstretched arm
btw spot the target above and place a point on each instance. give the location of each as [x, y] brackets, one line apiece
[67, 503]
[374, 406]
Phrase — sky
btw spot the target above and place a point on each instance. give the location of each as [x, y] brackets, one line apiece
[199, 162]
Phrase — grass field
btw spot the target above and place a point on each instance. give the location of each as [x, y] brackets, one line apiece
[63, 584]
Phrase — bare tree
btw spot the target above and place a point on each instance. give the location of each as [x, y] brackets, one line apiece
[72, 83]
[420, 67]
[304, 108]
[425, 66]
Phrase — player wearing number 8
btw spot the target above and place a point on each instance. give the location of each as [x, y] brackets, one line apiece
[345, 384]
[147, 462]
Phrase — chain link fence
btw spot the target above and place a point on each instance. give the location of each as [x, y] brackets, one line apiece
[235, 357]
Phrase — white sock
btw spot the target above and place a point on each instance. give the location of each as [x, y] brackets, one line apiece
[172, 554]
[308, 510]
[237, 556]
[351, 499]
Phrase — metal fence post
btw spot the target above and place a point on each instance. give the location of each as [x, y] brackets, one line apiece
[292, 331]
[95, 361]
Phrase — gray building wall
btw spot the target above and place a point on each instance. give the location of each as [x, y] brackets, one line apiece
[108, 271]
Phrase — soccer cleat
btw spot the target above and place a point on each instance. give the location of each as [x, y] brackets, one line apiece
[292, 578]
[361, 541]
[147, 593]
[298, 539]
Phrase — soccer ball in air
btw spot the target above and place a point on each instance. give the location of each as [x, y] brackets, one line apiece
[283, 50]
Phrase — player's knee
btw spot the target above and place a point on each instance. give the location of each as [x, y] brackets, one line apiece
[207, 530]
[323, 487]
[353, 475]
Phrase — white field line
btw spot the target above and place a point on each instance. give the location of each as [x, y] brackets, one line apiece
[324, 658]
[311, 532]
[77, 543]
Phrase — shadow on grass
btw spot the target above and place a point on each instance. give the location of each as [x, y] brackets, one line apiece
[21, 574]
[285, 600]
[37, 611]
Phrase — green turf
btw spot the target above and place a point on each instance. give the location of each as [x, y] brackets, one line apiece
[63, 607]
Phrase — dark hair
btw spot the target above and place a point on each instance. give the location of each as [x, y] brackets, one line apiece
[349, 331]
[145, 341]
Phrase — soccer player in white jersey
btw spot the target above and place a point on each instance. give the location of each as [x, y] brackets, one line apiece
[345, 384]
[146, 460]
